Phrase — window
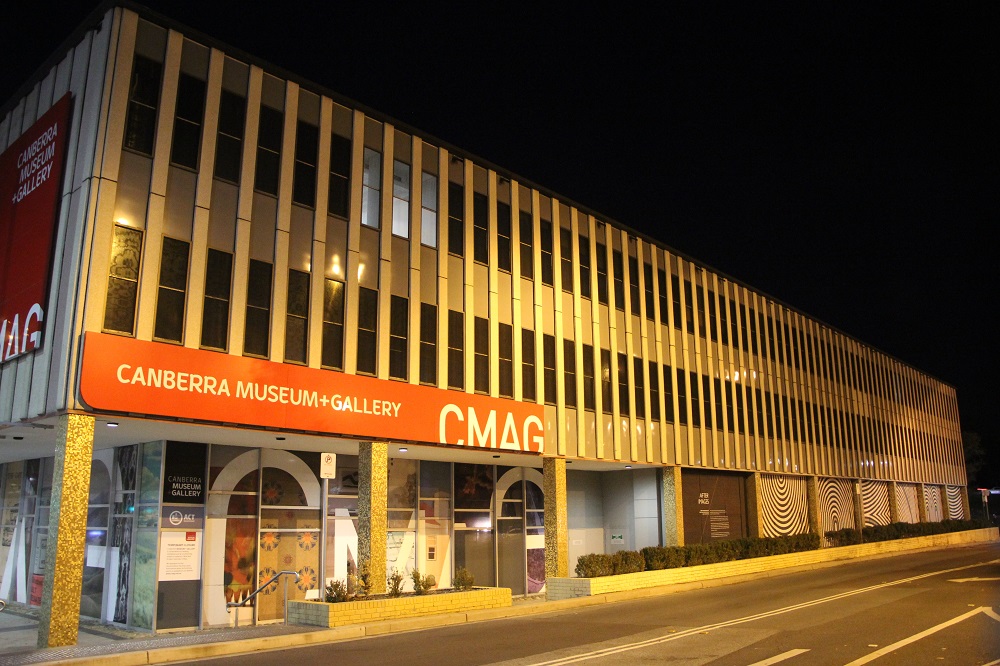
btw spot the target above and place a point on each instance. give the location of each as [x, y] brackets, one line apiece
[753, 332]
[215, 311]
[187, 121]
[549, 368]
[682, 412]
[367, 331]
[689, 306]
[584, 267]
[170, 295]
[647, 274]
[695, 407]
[723, 319]
[400, 199]
[706, 400]
[729, 406]
[333, 325]
[702, 321]
[545, 235]
[566, 258]
[503, 236]
[297, 316]
[269, 150]
[480, 228]
[633, 285]
[639, 388]
[741, 409]
[123, 280]
[602, 274]
[734, 325]
[481, 367]
[668, 394]
[229, 139]
[675, 297]
[712, 317]
[399, 322]
[456, 349]
[654, 391]
[528, 364]
[760, 412]
[506, 366]
[719, 421]
[606, 393]
[429, 209]
[569, 377]
[527, 240]
[143, 102]
[589, 386]
[306, 156]
[623, 401]
[456, 219]
[340, 176]
[428, 343]
[256, 336]
[371, 189]
[618, 264]
[661, 282]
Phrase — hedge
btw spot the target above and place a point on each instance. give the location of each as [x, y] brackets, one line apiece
[652, 558]
[852, 536]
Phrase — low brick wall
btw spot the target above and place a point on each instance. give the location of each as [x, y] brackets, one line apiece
[322, 614]
[568, 588]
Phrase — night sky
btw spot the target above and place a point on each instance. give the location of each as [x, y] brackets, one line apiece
[839, 157]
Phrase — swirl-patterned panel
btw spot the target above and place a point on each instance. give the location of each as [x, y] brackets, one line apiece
[954, 497]
[836, 505]
[875, 502]
[784, 505]
[906, 501]
[932, 500]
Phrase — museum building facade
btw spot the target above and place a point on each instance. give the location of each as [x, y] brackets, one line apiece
[251, 326]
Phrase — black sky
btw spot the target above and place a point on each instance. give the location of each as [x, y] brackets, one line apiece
[841, 157]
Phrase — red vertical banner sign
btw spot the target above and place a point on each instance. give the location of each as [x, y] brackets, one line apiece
[31, 172]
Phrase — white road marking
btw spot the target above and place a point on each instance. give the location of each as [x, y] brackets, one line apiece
[604, 652]
[970, 580]
[779, 657]
[916, 637]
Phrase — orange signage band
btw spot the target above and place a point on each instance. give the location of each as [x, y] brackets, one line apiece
[127, 375]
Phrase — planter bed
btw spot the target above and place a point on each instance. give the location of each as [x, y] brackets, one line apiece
[568, 588]
[323, 614]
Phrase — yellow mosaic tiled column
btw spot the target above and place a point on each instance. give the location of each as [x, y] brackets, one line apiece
[893, 503]
[673, 506]
[373, 481]
[556, 521]
[59, 619]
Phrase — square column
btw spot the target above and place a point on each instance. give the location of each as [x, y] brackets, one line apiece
[812, 500]
[672, 507]
[556, 518]
[893, 503]
[373, 483]
[966, 508]
[59, 619]
[922, 503]
[755, 523]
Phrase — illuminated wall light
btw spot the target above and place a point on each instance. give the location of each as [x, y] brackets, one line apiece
[335, 267]
[112, 424]
[361, 270]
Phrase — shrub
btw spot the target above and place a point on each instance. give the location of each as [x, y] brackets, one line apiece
[394, 584]
[892, 531]
[628, 561]
[360, 581]
[594, 565]
[422, 584]
[463, 580]
[336, 592]
[663, 557]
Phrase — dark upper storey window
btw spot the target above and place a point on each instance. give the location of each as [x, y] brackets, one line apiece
[545, 241]
[171, 295]
[480, 228]
[633, 285]
[215, 310]
[602, 274]
[371, 188]
[340, 176]
[456, 219]
[618, 264]
[584, 246]
[187, 121]
[306, 156]
[268, 150]
[527, 240]
[143, 102]
[647, 274]
[503, 236]
[229, 139]
[566, 258]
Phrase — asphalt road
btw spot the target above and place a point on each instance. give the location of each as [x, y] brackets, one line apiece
[936, 607]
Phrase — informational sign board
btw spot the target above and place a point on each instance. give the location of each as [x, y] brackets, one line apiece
[180, 555]
[328, 466]
[128, 375]
[31, 173]
[714, 506]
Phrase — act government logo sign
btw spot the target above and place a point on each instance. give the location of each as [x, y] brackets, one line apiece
[128, 375]
[31, 171]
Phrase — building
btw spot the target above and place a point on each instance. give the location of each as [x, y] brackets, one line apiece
[250, 326]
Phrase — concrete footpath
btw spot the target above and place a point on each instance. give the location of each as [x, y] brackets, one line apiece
[115, 646]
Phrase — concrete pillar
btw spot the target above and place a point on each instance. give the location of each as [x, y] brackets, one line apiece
[672, 506]
[59, 619]
[812, 502]
[893, 503]
[859, 510]
[922, 502]
[966, 509]
[373, 482]
[556, 520]
[755, 524]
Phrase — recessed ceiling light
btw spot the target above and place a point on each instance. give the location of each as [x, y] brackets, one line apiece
[280, 439]
[112, 424]
[496, 455]
[628, 466]
[403, 449]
